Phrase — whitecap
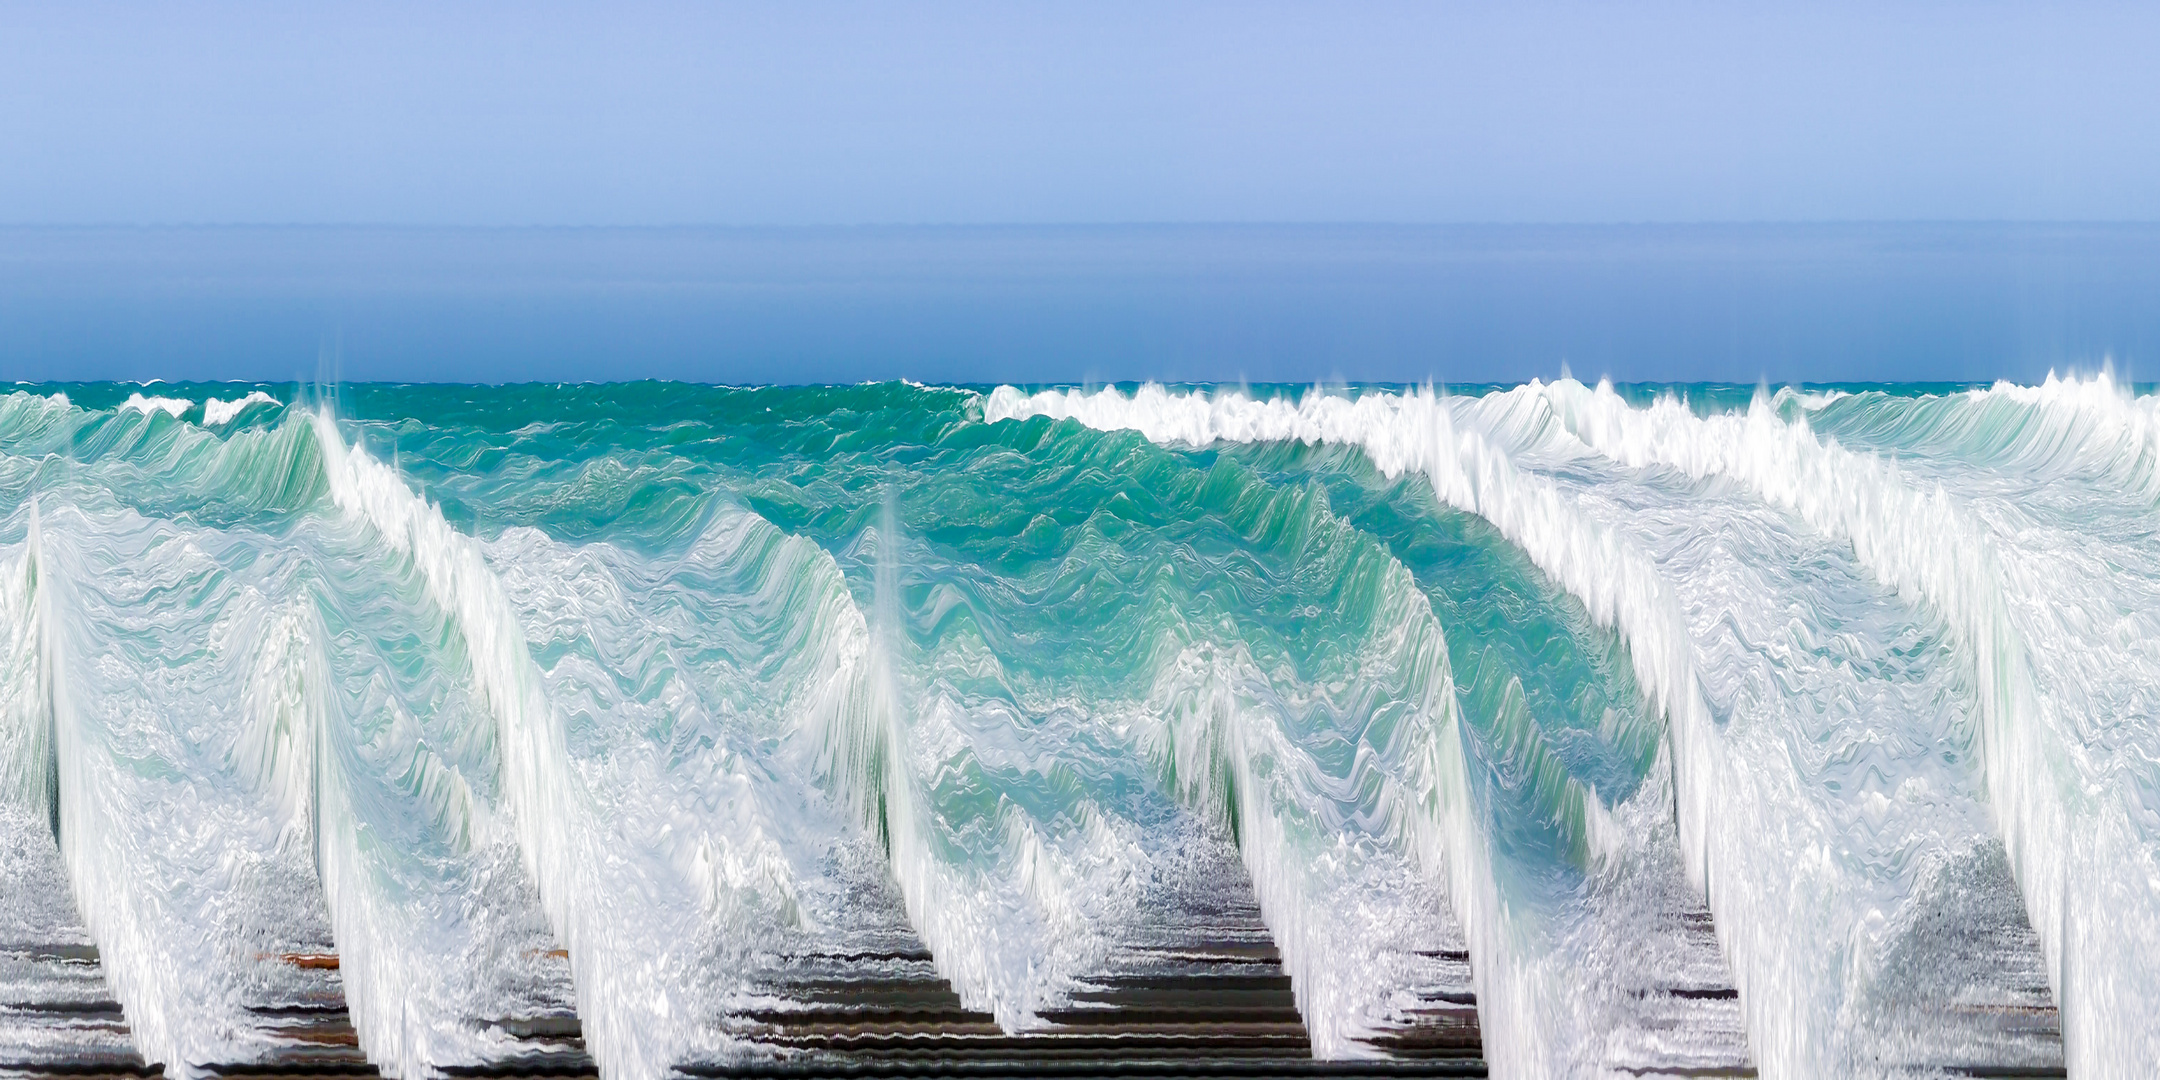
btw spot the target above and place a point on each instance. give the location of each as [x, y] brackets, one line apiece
[217, 412]
[148, 405]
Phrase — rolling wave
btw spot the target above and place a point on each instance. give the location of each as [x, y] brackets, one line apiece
[642, 727]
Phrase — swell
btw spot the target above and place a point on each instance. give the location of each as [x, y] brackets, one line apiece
[840, 716]
[1519, 1009]
[1007, 804]
[883, 763]
[184, 912]
[437, 924]
[133, 673]
[1248, 748]
[347, 814]
[541, 804]
[603, 868]
[1252, 654]
[1415, 433]
[165, 467]
[707, 697]
[997, 759]
[1547, 702]
[784, 673]
[370, 732]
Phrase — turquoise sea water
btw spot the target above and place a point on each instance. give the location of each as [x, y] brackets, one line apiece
[638, 701]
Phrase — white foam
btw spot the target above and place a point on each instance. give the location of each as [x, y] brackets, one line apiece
[216, 412]
[1011, 913]
[539, 799]
[190, 882]
[1416, 432]
[173, 407]
[1522, 996]
[1807, 400]
[25, 722]
[1350, 911]
[719, 858]
[439, 937]
[611, 914]
[2085, 864]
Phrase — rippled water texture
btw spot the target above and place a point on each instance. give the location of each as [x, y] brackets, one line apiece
[1611, 730]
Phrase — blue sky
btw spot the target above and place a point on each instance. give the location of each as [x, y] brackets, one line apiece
[1628, 154]
[833, 113]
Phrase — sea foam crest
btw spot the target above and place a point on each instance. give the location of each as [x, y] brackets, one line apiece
[217, 413]
[173, 407]
[2092, 429]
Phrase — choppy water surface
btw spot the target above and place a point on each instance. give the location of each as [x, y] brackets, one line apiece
[632, 727]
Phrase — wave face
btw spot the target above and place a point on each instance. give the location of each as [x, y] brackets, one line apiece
[1580, 731]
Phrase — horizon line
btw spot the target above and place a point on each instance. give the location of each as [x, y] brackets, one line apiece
[963, 226]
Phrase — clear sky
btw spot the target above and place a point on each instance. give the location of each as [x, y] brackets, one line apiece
[1581, 184]
[833, 113]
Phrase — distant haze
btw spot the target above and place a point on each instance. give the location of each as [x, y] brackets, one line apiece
[1397, 303]
[839, 113]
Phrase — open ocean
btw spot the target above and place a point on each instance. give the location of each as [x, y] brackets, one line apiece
[1219, 303]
